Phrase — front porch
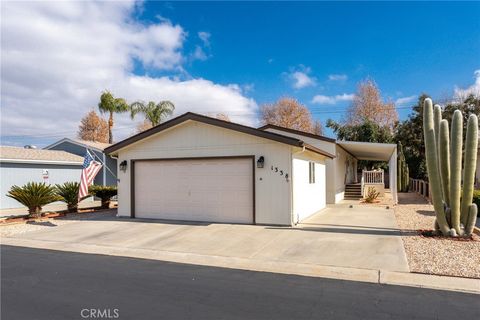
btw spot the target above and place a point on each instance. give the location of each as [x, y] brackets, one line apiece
[372, 178]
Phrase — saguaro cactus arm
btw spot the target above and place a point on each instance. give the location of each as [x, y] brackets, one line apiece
[432, 166]
[456, 169]
[444, 160]
[471, 219]
[469, 166]
[437, 118]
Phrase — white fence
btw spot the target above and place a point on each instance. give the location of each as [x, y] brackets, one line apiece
[373, 176]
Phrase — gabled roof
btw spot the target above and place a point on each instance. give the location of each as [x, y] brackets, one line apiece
[98, 146]
[219, 123]
[18, 154]
[303, 133]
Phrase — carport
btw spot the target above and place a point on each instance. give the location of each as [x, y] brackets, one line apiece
[376, 152]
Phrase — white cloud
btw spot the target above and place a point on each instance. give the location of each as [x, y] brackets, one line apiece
[199, 54]
[249, 87]
[473, 89]
[321, 99]
[55, 67]
[405, 100]
[300, 78]
[205, 37]
[337, 77]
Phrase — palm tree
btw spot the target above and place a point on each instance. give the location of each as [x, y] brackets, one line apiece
[108, 103]
[155, 113]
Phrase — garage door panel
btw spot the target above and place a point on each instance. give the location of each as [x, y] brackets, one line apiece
[217, 190]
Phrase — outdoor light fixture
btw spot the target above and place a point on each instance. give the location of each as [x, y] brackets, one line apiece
[260, 162]
[123, 165]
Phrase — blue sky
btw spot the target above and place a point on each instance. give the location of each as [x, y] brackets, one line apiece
[407, 48]
[229, 57]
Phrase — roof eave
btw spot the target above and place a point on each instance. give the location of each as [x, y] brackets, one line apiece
[207, 120]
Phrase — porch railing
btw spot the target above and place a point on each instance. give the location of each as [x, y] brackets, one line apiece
[373, 177]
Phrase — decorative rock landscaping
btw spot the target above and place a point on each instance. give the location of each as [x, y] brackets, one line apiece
[434, 255]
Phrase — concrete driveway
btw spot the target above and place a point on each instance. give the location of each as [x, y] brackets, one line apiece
[362, 237]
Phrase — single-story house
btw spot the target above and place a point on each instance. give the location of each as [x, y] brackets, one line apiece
[19, 166]
[107, 176]
[199, 168]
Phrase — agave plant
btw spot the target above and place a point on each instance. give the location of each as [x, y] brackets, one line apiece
[34, 196]
[68, 192]
[103, 192]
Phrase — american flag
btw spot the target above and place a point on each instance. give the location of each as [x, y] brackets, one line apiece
[89, 171]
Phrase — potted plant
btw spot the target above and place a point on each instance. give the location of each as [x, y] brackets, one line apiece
[34, 196]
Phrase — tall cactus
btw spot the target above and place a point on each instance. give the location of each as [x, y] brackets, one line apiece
[402, 170]
[444, 166]
[469, 166]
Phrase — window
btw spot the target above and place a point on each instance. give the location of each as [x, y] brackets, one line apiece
[311, 172]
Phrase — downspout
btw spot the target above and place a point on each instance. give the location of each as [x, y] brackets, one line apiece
[293, 222]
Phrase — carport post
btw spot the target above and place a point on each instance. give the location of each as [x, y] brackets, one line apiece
[392, 165]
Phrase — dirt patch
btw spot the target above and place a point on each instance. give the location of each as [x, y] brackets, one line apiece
[434, 255]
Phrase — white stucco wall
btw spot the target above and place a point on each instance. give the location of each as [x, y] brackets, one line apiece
[308, 198]
[194, 139]
[335, 168]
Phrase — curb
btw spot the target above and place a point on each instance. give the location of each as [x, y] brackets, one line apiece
[310, 270]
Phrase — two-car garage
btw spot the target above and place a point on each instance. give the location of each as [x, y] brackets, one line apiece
[195, 189]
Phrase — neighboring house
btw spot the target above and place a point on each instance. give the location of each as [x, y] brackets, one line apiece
[342, 179]
[199, 168]
[106, 176]
[19, 166]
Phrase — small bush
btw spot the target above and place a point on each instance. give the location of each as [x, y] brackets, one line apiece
[68, 192]
[104, 193]
[372, 195]
[476, 199]
[34, 196]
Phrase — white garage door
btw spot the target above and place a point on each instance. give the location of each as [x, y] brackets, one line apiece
[215, 190]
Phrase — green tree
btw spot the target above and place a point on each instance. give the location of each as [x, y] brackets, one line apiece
[410, 134]
[367, 131]
[109, 104]
[154, 112]
[470, 105]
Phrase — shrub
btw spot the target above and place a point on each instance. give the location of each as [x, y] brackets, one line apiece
[104, 193]
[68, 192]
[372, 195]
[34, 196]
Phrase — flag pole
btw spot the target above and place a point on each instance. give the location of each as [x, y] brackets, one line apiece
[104, 165]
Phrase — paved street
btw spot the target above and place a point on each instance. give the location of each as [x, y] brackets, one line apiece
[43, 284]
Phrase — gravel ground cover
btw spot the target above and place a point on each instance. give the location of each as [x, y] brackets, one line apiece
[17, 228]
[434, 255]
